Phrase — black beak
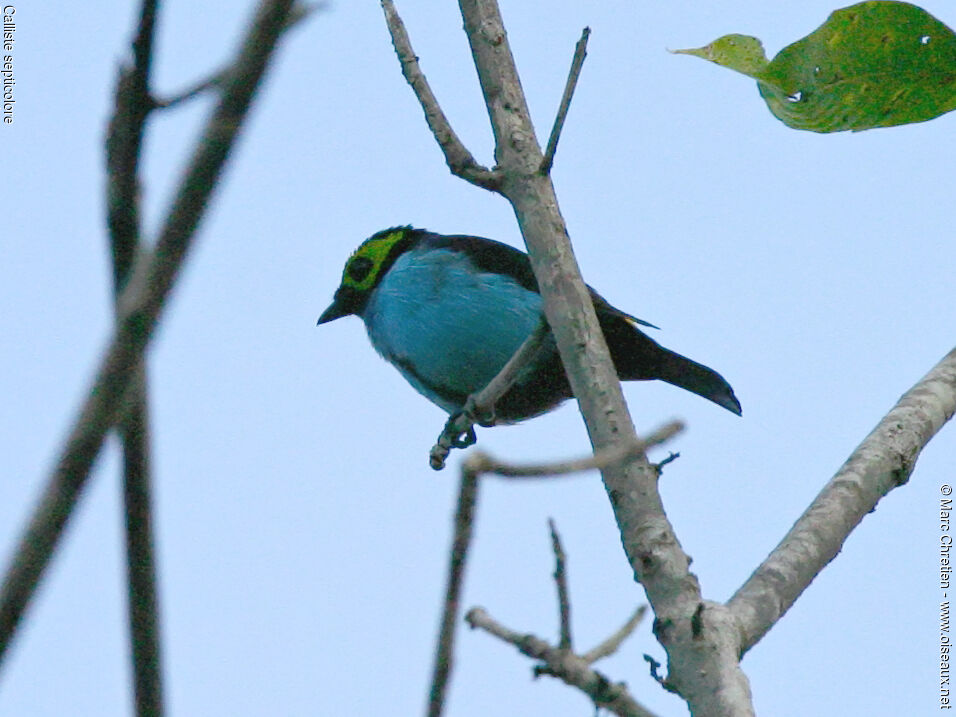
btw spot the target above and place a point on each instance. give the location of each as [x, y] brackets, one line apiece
[347, 301]
[335, 311]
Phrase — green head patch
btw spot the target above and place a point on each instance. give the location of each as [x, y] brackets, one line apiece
[373, 258]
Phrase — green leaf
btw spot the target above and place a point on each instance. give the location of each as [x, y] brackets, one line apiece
[742, 53]
[873, 64]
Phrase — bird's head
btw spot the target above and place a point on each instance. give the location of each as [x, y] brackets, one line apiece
[365, 269]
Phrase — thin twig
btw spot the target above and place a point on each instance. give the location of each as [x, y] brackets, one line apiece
[483, 463]
[123, 150]
[300, 11]
[883, 461]
[580, 52]
[561, 582]
[565, 665]
[608, 647]
[140, 307]
[215, 80]
[460, 161]
[482, 404]
[670, 459]
[444, 654]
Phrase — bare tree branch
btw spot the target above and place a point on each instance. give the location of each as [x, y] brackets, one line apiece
[139, 309]
[565, 665]
[561, 661]
[619, 454]
[460, 161]
[883, 461]
[464, 522]
[123, 149]
[580, 52]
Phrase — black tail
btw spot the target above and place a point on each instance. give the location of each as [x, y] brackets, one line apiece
[697, 378]
[638, 357]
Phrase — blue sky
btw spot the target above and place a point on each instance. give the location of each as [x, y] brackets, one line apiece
[302, 537]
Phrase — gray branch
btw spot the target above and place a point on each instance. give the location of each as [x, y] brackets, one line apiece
[460, 161]
[883, 461]
[600, 460]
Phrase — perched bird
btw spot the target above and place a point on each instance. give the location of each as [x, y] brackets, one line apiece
[449, 311]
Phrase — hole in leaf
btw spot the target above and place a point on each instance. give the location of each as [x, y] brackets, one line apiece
[816, 70]
[924, 40]
[795, 97]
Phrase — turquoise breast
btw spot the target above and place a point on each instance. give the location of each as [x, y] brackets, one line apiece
[447, 326]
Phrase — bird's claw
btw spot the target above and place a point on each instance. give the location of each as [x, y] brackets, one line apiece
[464, 439]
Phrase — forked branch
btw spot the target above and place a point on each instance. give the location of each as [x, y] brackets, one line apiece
[561, 661]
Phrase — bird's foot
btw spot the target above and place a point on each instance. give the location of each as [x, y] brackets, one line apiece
[462, 439]
[459, 432]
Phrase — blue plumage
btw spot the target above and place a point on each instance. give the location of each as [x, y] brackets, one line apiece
[446, 325]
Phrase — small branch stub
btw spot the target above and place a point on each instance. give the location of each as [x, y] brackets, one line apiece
[561, 582]
[580, 52]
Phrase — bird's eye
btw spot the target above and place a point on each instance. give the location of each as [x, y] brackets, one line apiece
[359, 268]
